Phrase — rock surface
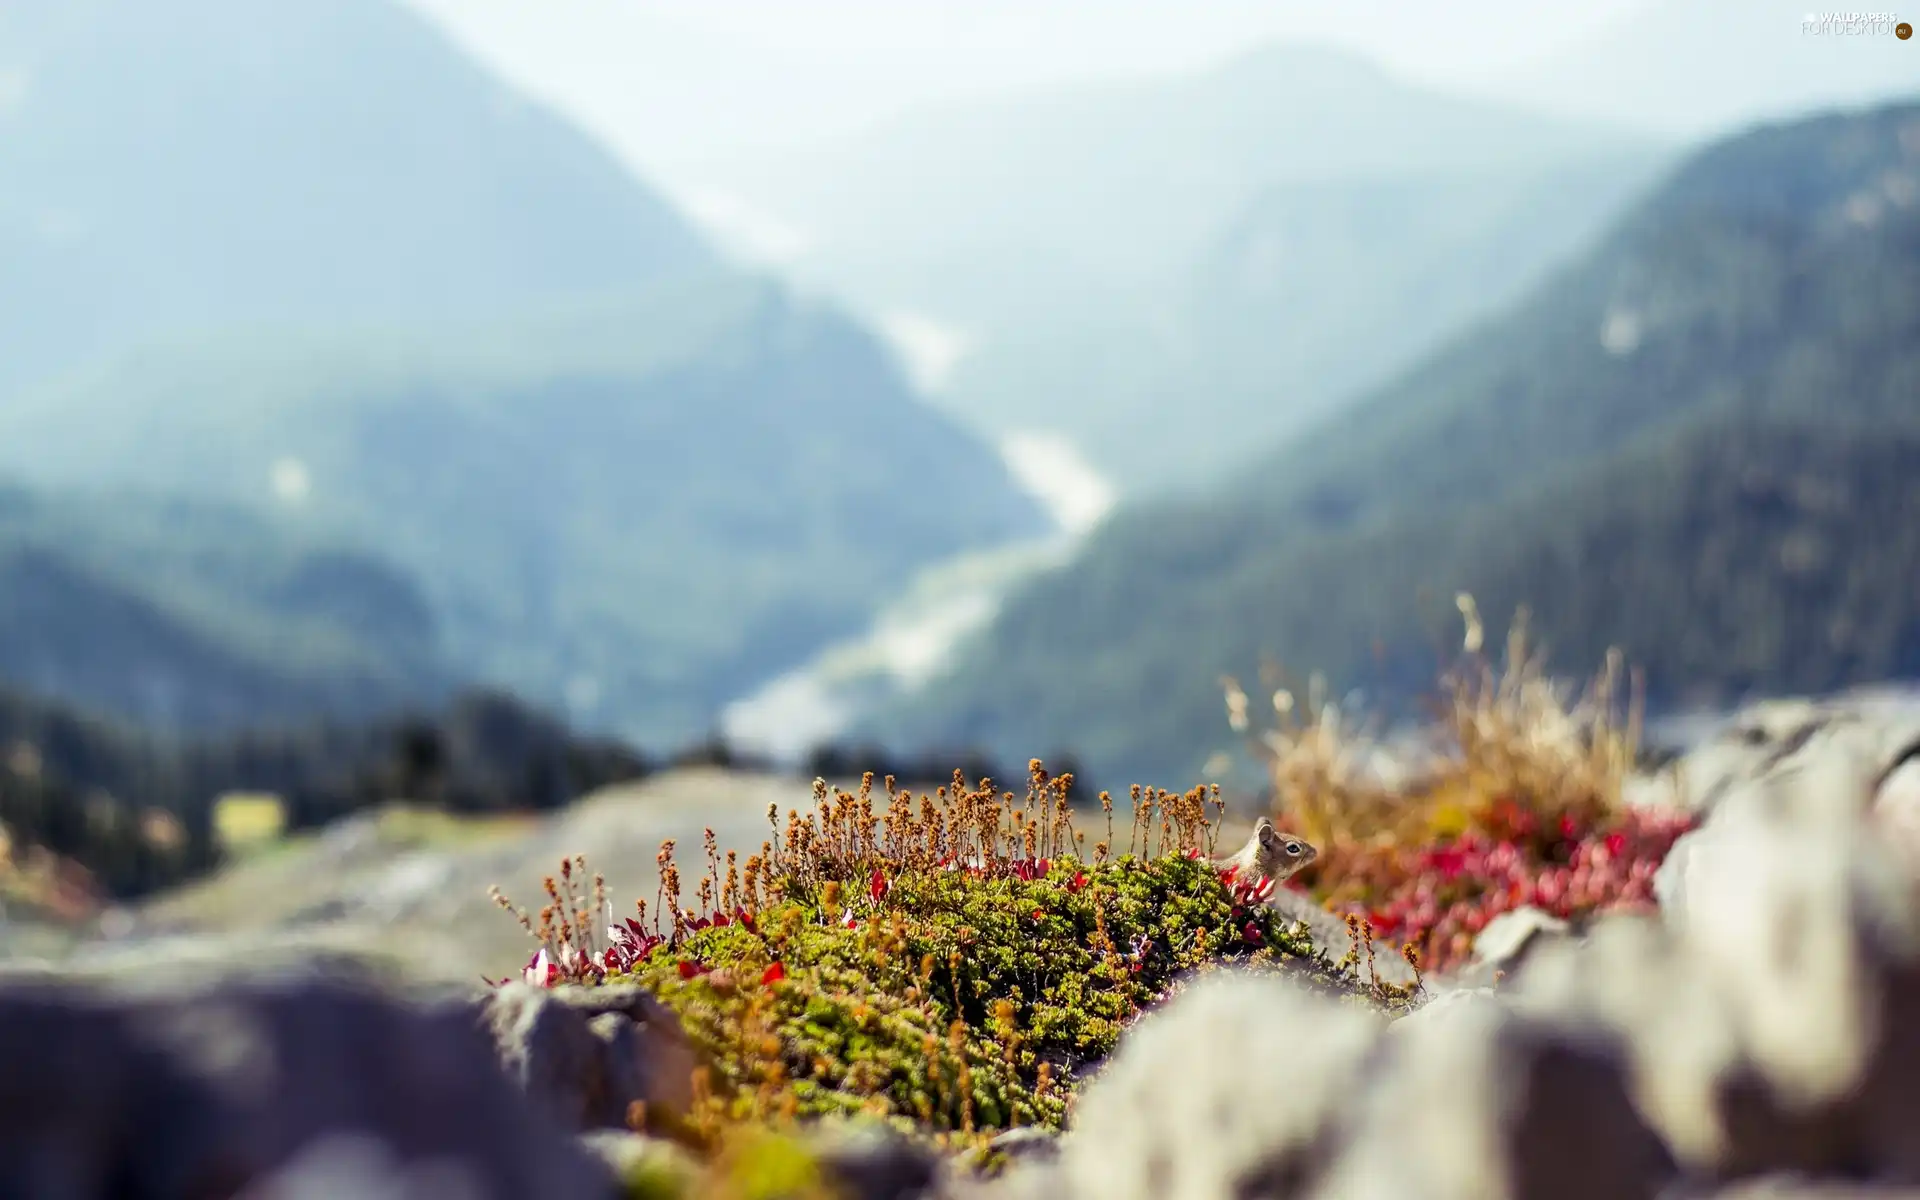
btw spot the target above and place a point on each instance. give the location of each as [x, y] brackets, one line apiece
[267, 1089]
[1234, 1084]
[1834, 762]
[586, 1055]
[635, 1157]
[1761, 1036]
[1773, 737]
[1332, 937]
[404, 894]
[1507, 940]
[870, 1162]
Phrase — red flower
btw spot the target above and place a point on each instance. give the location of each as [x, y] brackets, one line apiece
[877, 886]
[1039, 915]
[1447, 860]
[1255, 892]
[692, 968]
[542, 971]
[773, 974]
[1252, 934]
[1077, 882]
[1029, 869]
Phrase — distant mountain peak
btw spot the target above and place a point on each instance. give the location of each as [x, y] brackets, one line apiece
[1694, 441]
[1306, 62]
[168, 168]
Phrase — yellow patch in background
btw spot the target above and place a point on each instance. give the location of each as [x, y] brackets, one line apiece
[244, 820]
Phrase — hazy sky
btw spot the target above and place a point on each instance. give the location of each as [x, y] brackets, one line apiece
[676, 83]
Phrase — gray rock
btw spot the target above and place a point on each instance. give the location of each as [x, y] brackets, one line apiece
[282, 1087]
[1772, 736]
[1808, 931]
[867, 1161]
[170, 962]
[1824, 773]
[1445, 1007]
[354, 1164]
[1034, 1179]
[1492, 1102]
[1027, 1144]
[1632, 981]
[1765, 1027]
[1232, 1088]
[585, 1054]
[1773, 1022]
[1506, 941]
[632, 1156]
[1332, 938]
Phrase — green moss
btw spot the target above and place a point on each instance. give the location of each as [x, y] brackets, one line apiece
[768, 1166]
[655, 1181]
[959, 1004]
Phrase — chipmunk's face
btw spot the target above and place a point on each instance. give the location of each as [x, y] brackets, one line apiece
[1285, 847]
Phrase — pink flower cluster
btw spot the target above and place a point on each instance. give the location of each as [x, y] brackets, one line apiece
[1024, 869]
[628, 943]
[1439, 898]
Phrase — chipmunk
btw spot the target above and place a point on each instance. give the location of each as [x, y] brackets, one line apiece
[1268, 854]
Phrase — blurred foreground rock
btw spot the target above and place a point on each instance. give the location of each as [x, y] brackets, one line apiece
[585, 1055]
[305, 1084]
[1760, 1037]
[268, 1089]
[1868, 730]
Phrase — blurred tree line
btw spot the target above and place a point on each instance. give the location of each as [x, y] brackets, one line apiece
[136, 811]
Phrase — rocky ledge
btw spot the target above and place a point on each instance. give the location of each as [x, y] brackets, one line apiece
[1760, 1036]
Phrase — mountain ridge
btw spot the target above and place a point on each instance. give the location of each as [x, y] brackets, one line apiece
[1769, 278]
[327, 269]
[1074, 231]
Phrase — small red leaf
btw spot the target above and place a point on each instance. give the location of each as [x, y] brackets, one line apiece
[773, 974]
